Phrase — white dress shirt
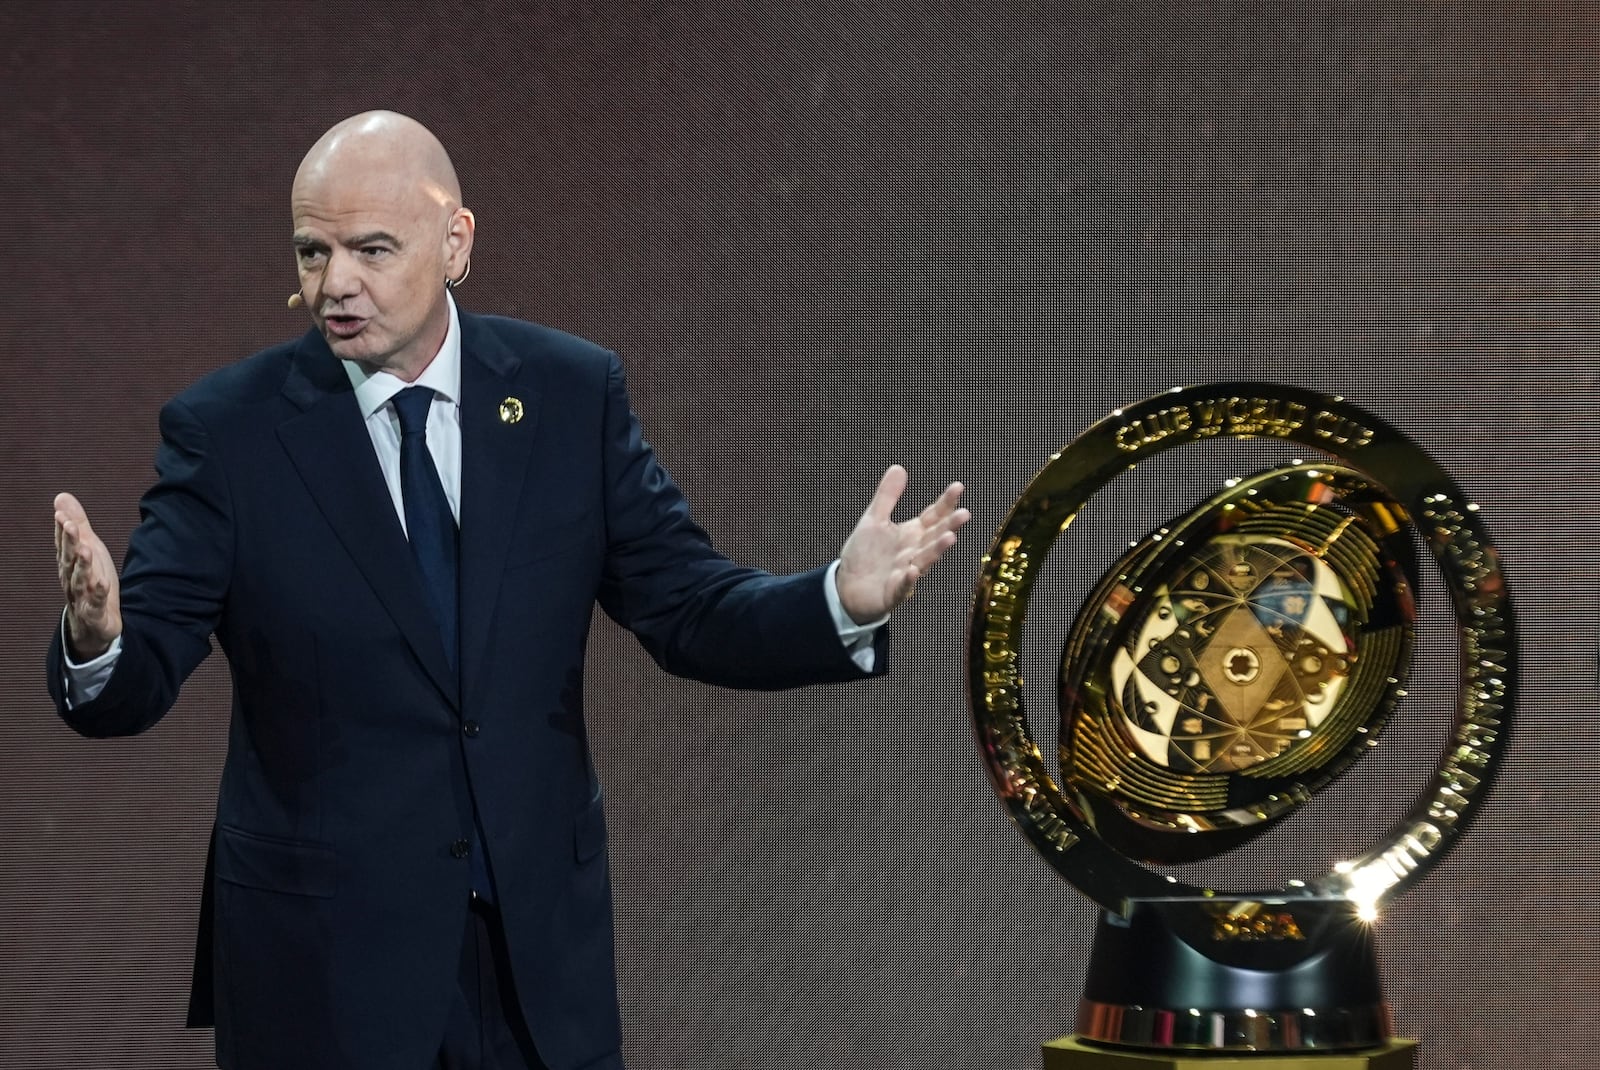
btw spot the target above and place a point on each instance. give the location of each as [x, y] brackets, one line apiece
[375, 391]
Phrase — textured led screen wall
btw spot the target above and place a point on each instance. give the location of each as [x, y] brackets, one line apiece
[824, 238]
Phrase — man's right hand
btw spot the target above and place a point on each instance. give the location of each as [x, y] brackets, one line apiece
[89, 581]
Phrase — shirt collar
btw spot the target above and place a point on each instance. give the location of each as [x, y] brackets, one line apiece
[443, 373]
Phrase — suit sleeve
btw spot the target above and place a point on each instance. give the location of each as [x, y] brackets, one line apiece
[174, 582]
[698, 614]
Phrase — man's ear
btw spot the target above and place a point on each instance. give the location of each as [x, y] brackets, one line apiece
[458, 242]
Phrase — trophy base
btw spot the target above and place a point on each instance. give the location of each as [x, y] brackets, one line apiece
[1224, 974]
[1070, 1053]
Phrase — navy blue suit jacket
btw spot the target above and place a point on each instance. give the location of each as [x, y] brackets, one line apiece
[335, 905]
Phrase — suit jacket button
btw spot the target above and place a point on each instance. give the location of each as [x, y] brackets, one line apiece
[470, 729]
[460, 849]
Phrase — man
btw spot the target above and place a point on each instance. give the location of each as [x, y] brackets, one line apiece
[397, 527]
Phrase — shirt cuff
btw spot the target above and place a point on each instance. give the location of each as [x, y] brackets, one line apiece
[85, 681]
[857, 638]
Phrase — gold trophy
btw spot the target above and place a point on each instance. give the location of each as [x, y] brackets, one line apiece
[1225, 670]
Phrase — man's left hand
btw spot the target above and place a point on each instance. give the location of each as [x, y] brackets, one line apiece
[882, 561]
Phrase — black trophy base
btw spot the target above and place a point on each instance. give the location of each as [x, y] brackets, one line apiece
[1071, 1053]
[1219, 975]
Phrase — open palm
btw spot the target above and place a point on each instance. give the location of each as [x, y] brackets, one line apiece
[882, 560]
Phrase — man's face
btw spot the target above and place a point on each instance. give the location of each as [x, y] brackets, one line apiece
[373, 249]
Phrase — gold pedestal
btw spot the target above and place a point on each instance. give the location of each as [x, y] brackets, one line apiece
[1069, 1053]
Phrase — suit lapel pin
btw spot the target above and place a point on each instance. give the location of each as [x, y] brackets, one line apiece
[510, 410]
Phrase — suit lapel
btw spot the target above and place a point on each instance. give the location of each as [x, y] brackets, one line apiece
[330, 447]
[500, 394]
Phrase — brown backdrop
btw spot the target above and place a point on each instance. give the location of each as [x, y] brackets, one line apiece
[825, 237]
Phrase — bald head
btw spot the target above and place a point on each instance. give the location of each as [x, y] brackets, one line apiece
[379, 230]
[383, 143]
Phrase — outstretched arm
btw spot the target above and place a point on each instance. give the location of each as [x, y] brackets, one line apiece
[882, 560]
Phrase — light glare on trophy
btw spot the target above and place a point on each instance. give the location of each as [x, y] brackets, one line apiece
[1224, 671]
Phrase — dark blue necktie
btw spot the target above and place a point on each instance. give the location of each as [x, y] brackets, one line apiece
[430, 525]
[436, 544]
